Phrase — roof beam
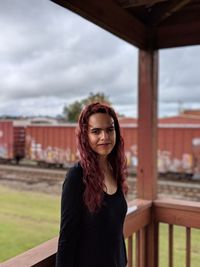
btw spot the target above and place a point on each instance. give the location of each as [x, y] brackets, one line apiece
[136, 3]
[167, 11]
[184, 34]
[106, 14]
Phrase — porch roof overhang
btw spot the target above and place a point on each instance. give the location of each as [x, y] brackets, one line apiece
[147, 24]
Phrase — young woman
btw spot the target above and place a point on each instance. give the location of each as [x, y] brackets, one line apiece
[93, 206]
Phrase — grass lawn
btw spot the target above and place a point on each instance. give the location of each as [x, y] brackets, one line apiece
[179, 246]
[27, 219]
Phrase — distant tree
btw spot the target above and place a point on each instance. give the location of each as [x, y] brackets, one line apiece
[71, 112]
[9, 117]
[98, 97]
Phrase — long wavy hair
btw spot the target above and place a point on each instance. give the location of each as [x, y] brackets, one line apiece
[92, 176]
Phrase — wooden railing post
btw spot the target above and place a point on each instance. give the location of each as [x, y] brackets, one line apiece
[147, 125]
[130, 251]
[147, 144]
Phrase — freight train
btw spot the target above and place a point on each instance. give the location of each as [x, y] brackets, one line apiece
[12, 142]
[178, 144]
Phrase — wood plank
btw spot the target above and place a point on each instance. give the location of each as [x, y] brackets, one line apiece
[142, 247]
[152, 244]
[157, 241]
[171, 244]
[110, 16]
[168, 36]
[166, 11]
[139, 218]
[136, 221]
[135, 3]
[177, 204]
[138, 249]
[188, 247]
[184, 16]
[42, 255]
[147, 125]
[179, 212]
[130, 251]
[177, 217]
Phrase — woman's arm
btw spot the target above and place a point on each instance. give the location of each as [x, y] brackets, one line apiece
[71, 208]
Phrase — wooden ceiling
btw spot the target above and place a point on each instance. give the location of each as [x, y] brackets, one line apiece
[147, 24]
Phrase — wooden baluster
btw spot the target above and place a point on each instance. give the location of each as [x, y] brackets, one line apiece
[157, 228]
[130, 251]
[188, 246]
[171, 239]
[138, 249]
[142, 247]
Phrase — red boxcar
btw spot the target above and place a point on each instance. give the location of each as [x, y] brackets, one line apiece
[54, 144]
[178, 145]
[6, 140]
[12, 141]
[19, 142]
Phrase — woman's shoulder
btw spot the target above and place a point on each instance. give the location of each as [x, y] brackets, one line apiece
[75, 170]
[74, 175]
[73, 187]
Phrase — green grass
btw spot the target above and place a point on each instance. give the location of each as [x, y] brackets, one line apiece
[179, 246]
[27, 219]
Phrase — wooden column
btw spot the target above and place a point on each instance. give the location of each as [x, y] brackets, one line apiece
[147, 144]
[147, 125]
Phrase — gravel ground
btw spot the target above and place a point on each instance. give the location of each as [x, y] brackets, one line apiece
[50, 182]
[43, 187]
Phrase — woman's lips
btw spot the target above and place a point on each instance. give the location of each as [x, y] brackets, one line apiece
[105, 144]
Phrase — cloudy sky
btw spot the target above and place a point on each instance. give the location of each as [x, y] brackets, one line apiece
[50, 57]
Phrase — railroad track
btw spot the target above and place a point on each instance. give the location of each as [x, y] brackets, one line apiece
[32, 175]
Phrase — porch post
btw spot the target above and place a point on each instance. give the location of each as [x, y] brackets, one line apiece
[147, 125]
[147, 146]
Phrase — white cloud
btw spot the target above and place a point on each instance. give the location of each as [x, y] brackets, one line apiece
[50, 57]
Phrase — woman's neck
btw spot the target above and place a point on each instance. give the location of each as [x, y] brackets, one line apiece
[110, 183]
[104, 164]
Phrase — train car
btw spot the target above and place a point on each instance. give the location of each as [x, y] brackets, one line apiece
[51, 144]
[6, 140]
[179, 149]
[19, 142]
[12, 141]
[56, 144]
[178, 144]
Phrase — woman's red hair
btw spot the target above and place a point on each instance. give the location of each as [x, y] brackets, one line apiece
[92, 175]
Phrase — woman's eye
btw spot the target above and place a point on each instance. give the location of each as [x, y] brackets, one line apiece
[111, 129]
[96, 131]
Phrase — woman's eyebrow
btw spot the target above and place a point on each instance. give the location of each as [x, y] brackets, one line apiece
[99, 128]
[96, 127]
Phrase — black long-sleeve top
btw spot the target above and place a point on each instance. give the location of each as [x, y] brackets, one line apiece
[90, 239]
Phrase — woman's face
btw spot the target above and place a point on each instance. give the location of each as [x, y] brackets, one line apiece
[101, 133]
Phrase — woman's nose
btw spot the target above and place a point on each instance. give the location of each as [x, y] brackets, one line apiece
[104, 135]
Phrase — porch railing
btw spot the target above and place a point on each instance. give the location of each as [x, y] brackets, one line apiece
[178, 213]
[172, 213]
[137, 224]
